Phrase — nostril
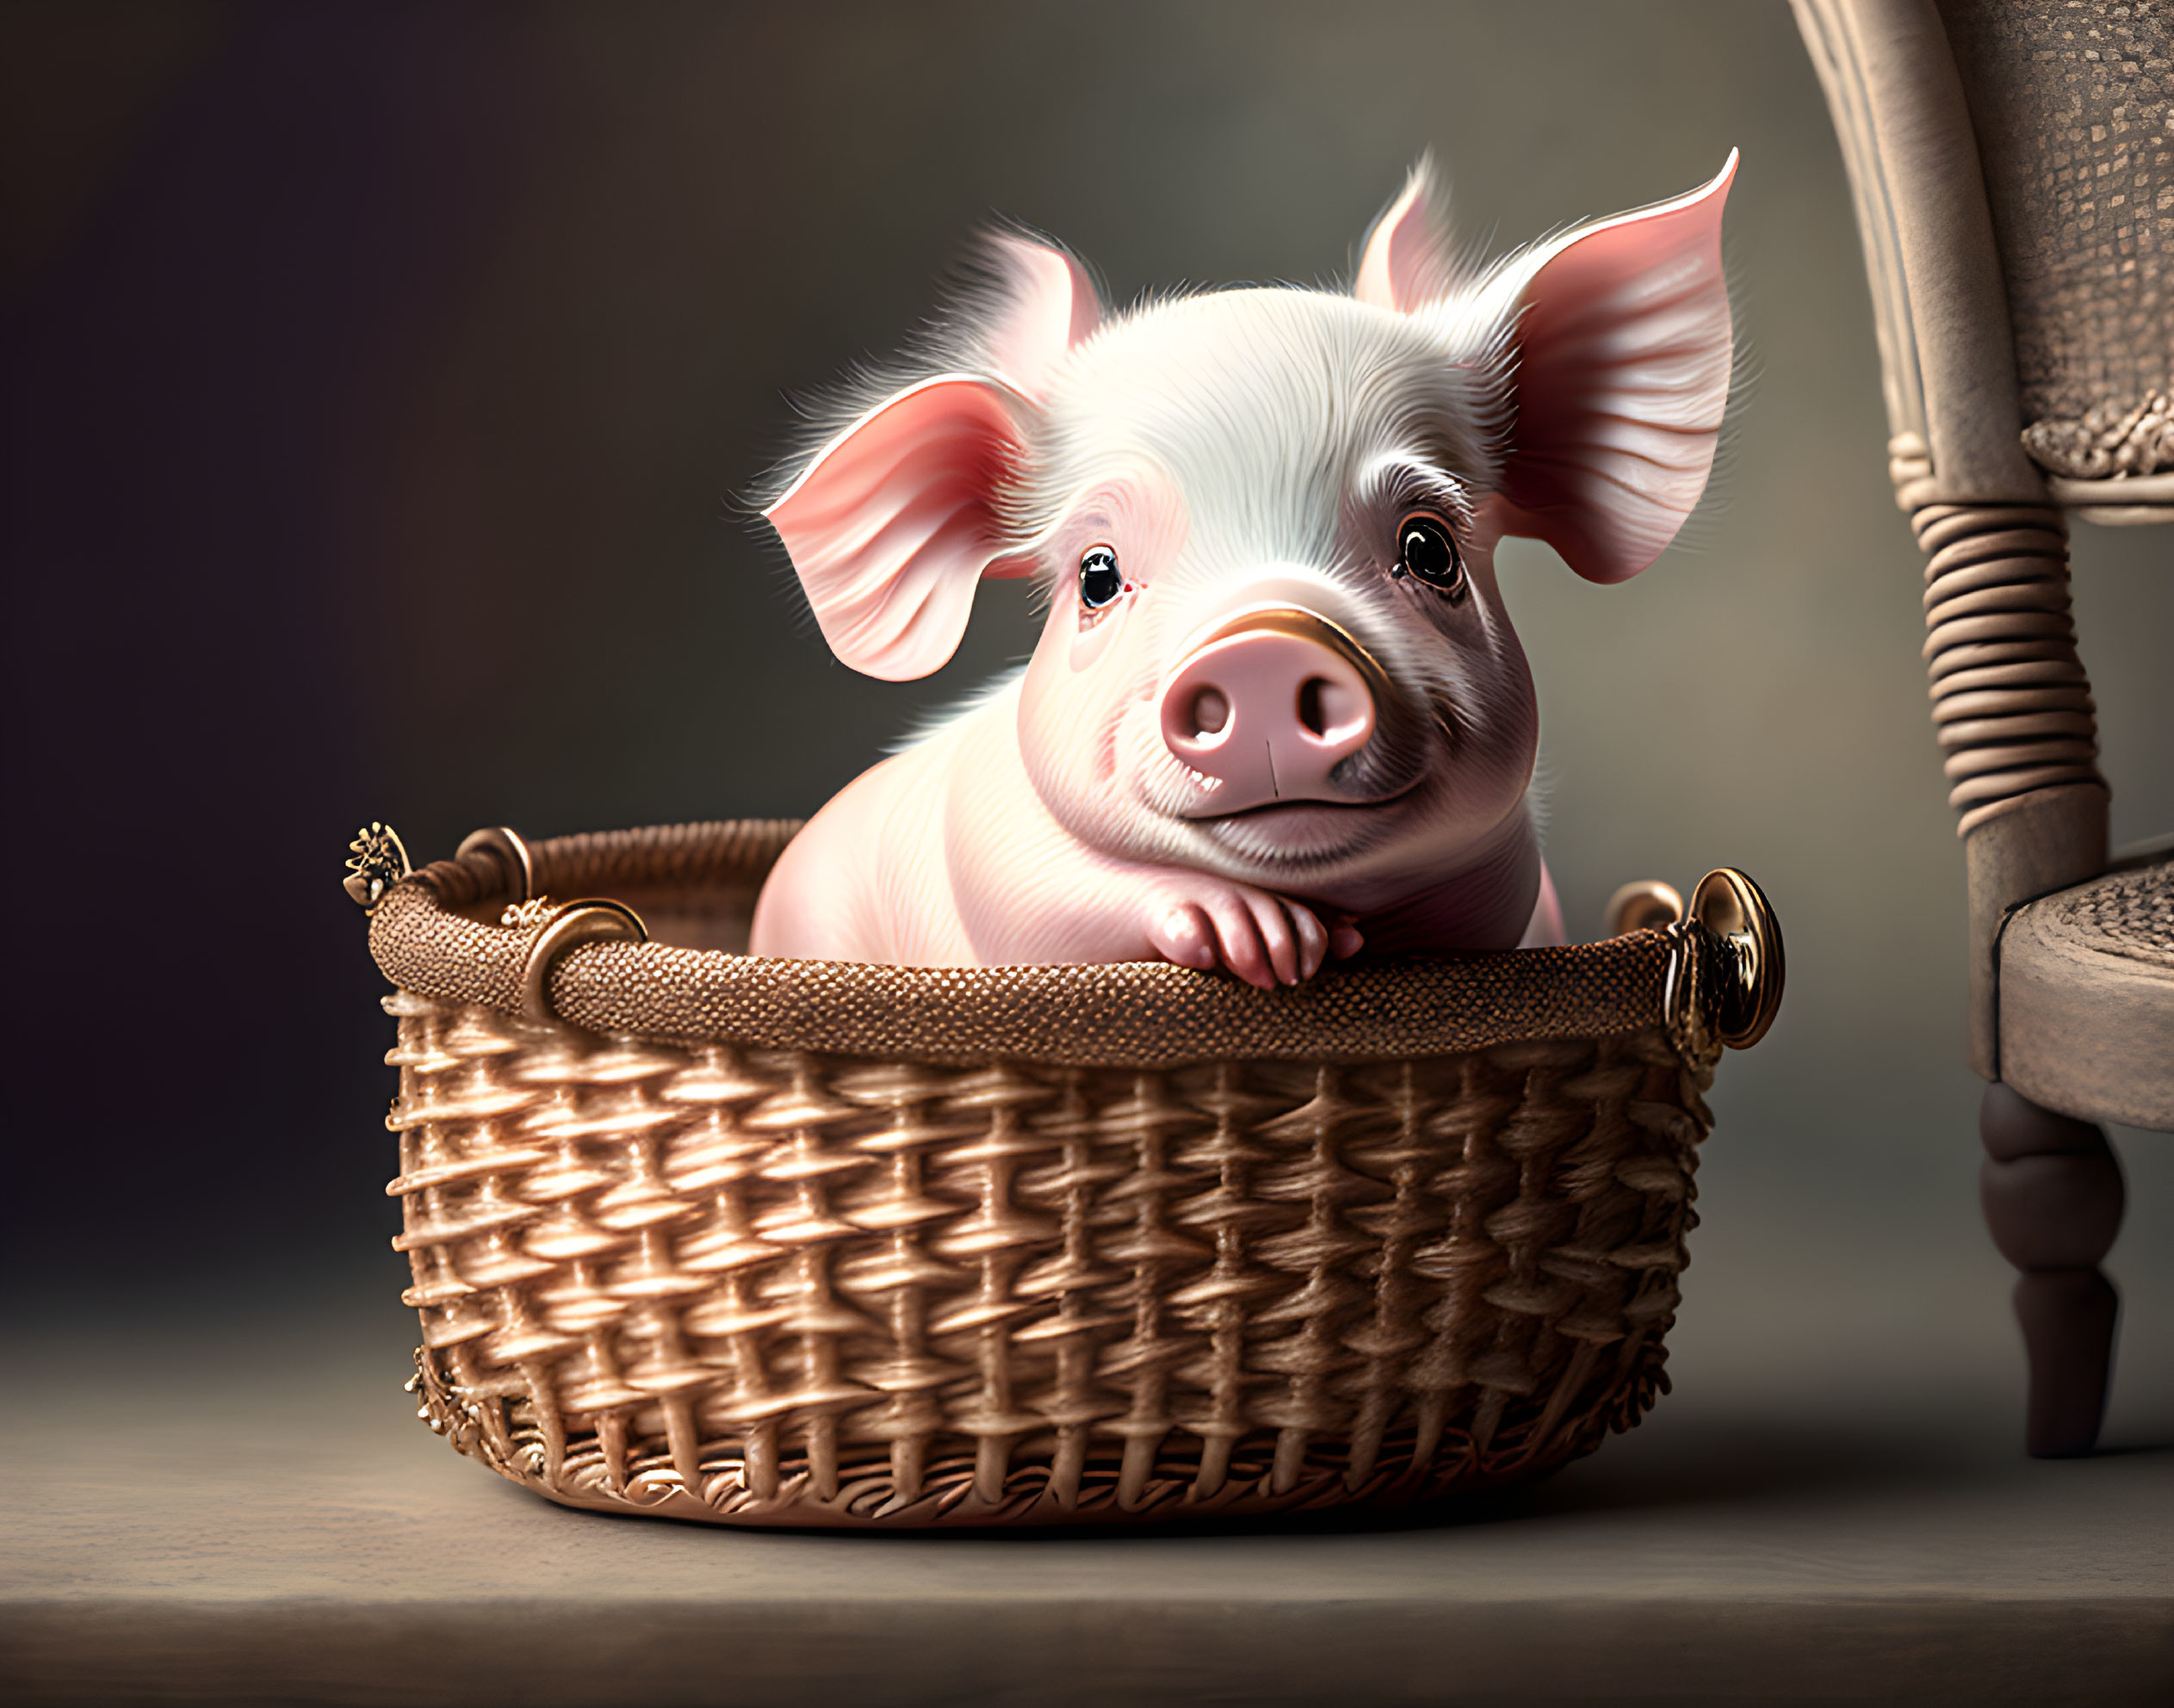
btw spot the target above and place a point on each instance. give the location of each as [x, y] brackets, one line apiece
[1311, 711]
[1334, 713]
[1210, 711]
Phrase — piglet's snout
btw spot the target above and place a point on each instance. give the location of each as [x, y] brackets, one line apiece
[1267, 708]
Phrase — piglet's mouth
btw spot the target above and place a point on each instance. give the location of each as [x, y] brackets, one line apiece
[1206, 807]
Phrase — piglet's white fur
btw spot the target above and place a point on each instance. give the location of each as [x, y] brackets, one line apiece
[1251, 735]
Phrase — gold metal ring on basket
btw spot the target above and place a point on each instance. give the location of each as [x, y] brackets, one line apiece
[592, 919]
[762, 1241]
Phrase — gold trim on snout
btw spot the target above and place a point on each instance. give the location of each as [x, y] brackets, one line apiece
[1394, 717]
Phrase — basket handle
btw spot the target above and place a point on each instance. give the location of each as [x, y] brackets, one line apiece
[1645, 904]
[506, 845]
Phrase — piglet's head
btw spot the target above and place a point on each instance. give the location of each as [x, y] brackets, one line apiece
[1266, 519]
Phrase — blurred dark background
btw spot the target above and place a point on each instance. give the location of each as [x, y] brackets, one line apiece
[377, 381]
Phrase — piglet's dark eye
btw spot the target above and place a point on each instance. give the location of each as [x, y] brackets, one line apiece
[1101, 580]
[1426, 551]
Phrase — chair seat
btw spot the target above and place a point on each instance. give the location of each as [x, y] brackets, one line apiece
[2087, 999]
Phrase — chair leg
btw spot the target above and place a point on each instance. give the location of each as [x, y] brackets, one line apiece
[2052, 1192]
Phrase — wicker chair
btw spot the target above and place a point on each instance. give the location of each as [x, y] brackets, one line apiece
[2014, 178]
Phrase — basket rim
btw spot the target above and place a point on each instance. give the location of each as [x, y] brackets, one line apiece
[425, 940]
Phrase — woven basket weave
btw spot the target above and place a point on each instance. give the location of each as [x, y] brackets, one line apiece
[780, 1242]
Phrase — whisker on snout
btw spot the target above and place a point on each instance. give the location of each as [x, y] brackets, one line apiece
[1443, 711]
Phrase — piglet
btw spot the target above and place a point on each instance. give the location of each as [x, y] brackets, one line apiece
[1278, 711]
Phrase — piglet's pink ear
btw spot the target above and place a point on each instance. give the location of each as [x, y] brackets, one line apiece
[1623, 343]
[893, 524]
[1408, 259]
[1044, 303]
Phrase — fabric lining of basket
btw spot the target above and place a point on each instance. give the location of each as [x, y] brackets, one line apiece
[1134, 1014]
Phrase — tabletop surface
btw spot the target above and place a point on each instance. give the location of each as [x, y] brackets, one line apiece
[250, 1511]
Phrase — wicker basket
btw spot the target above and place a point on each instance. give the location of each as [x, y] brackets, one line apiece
[775, 1242]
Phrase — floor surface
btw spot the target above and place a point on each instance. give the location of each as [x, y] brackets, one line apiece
[247, 1511]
